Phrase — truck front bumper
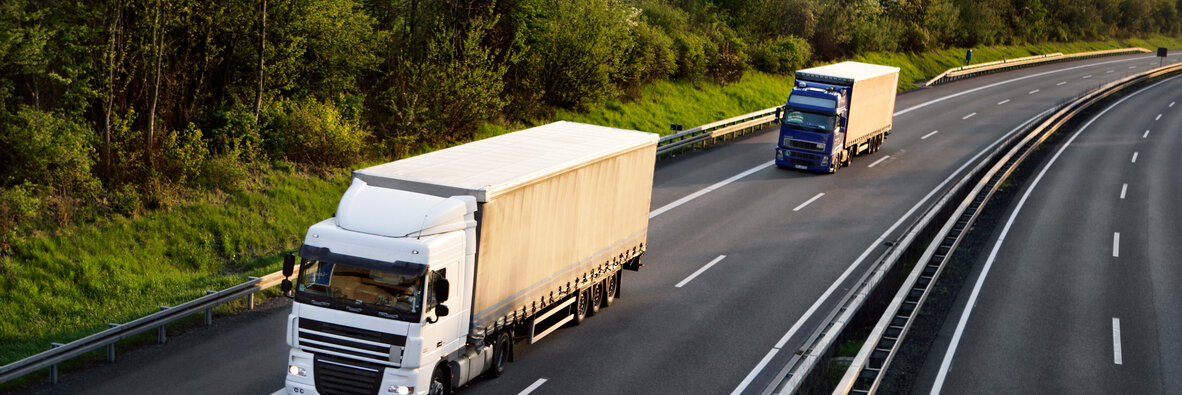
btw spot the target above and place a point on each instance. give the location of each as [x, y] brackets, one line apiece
[801, 160]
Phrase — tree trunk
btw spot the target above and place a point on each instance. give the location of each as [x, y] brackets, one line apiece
[108, 106]
[258, 98]
[157, 41]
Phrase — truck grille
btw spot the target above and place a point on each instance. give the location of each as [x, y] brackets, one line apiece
[335, 376]
[801, 158]
[801, 144]
[355, 344]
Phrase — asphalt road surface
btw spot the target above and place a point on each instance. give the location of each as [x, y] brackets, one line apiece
[1081, 292]
[792, 242]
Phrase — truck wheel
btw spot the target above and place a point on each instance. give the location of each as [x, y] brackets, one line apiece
[609, 288]
[439, 382]
[501, 352]
[596, 298]
[580, 307]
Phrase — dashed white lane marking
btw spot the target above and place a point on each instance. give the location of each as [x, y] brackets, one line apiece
[1117, 358]
[1132, 67]
[1109, 71]
[1158, 117]
[1124, 188]
[1061, 83]
[879, 161]
[1033, 92]
[1135, 157]
[1146, 135]
[708, 189]
[532, 387]
[1087, 76]
[700, 271]
[929, 135]
[806, 203]
[1116, 244]
[968, 116]
[1172, 104]
[1003, 102]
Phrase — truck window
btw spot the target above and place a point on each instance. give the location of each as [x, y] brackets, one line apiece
[432, 279]
[820, 122]
[351, 286]
[812, 101]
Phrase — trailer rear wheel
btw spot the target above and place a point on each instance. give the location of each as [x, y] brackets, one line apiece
[596, 299]
[580, 307]
[610, 286]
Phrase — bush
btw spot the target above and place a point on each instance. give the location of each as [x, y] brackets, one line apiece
[693, 56]
[311, 132]
[49, 149]
[232, 129]
[183, 154]
[783, 55]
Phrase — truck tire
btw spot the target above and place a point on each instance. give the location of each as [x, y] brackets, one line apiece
[596, 298]
[610, 287]
[501, 350]
[580, 307]
[440, 382]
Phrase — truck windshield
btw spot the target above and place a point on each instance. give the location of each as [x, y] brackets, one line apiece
[807, 119]
[361, 290]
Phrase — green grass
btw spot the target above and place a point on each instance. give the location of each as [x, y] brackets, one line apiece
[62, 284]
[60, 287]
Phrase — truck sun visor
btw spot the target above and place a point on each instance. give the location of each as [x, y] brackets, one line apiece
[314, 253]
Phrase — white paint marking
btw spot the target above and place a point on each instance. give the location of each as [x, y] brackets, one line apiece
[1132, 67]
[1117, 358]
[1003, 102]
[972, 302]
[1033, 92]
[708, 189]
[532, 387]
[1116, 244]
[968, 116]
[703, 269]
[1158, 117]
[1172, 104]
[879, 161]
[929, 135]
[873, 246]
[1146, 135]
[1109, 71]
[1124, 188]
[1135, 157]
[1087, 76]
[1061, 83]
[809, 201]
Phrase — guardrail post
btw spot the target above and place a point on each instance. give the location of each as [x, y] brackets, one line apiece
[53, 369]
[111, 347]
[250, 296]
[160, 335]
[209, 311]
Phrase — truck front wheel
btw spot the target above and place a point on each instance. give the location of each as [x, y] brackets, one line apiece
[439, 382]
[501, 352]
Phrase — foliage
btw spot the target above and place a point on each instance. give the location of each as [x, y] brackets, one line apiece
[311, 132]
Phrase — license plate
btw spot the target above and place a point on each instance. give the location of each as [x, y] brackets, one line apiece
[802, 167]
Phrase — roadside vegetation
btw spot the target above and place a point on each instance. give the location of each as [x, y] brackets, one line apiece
[153, 149]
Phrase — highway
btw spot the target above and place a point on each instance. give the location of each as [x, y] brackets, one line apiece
[1080, 292]
[743, 258]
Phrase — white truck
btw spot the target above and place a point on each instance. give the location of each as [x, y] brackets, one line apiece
[435, 265]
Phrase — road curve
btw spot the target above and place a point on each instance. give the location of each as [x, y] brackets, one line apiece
[788, 238]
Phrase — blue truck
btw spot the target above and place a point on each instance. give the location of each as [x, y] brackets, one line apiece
[834, 113]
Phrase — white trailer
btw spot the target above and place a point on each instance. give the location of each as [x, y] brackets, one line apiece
[434, 266]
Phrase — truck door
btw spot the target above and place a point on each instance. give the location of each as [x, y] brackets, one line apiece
[442, 332]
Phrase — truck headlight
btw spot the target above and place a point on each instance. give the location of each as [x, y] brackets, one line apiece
[824, 161]
[401, 389]
[780, 154]
[296, 371]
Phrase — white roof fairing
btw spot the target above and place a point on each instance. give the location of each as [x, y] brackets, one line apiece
[852, 71]
[486, 167]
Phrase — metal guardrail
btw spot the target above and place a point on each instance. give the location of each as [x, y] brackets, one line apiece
[866, 370]
[59, 353]
[703, 135]
[957, 73]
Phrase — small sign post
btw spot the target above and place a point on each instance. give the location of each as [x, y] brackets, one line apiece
[1161, 53]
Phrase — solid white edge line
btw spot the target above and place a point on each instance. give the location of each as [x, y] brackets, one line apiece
[968, 311]
[532, 387]
[968, 116]
[708, 189]
[879, 161]
[1123, 189]
[806, 203]
[1117, 358]
[1116, 244]
[1135, 157]
[877, 242]
[925, 137]
[1003, 102]
[700, 271]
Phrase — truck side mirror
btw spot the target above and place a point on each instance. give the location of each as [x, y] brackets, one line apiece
[441, 290]
[441, 310]
[777, 120]
[285, 286]
[288, 264]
